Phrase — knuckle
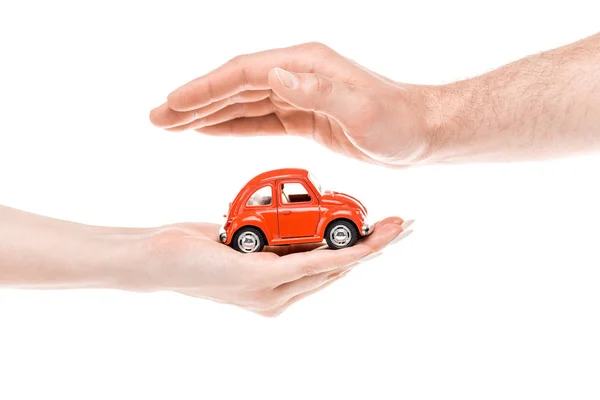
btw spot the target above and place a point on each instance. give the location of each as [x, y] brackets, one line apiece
[245, 84]
[323, 86]
[202, 121]
[210, 90]
[239, 64]
[317, 47]
[309, 270]
[237, 60]
[234, 99]
[275, 98]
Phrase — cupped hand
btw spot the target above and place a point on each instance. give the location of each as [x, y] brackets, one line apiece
[192, 261]
[311, 91]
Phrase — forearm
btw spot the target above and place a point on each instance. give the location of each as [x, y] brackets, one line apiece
[40, 252]
[546, 105]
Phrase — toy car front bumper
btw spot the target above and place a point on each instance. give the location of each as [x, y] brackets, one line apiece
[366, 229]
[222, 234]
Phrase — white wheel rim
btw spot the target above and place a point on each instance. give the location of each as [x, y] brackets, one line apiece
[248, 242]
[340, 235]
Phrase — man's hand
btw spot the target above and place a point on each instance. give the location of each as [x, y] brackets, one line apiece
[311, 91]
[543, 106]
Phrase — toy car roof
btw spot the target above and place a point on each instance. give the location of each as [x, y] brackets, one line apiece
[279, 173]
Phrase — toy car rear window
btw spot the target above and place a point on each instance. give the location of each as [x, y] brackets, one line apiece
[261, 197]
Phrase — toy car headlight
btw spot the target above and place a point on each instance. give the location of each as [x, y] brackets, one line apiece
[222, 234]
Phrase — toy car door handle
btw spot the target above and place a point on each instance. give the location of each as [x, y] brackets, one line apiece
[286, 212]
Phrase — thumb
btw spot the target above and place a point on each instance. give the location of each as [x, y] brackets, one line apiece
[312, 92]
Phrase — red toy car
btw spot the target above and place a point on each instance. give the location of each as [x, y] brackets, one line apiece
[287, 206]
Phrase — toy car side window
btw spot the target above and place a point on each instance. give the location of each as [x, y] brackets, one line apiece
[261, 197]
[294, 192]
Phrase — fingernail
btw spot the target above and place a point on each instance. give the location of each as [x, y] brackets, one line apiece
[286, 78]
[369, 257]
[401, 236]
[406, 224]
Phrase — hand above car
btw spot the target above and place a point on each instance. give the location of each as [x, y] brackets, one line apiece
[311, 91]
[542, 106]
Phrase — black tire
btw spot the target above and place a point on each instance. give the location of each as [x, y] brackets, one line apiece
[337, 227]
[248, 240]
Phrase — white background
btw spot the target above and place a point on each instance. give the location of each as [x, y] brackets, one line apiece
[494, 296]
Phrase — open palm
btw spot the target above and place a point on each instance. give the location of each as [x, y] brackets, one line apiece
[194, 262]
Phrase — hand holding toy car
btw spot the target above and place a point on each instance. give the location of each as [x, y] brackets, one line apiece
[183, 258]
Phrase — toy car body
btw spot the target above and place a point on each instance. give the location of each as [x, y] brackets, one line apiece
[288, 206]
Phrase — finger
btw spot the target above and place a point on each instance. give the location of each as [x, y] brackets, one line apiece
[250, 72]
[296, 266]
[315, 92]
[165, 117]
[377, 241]
[280, 103]
[303, 287]
[300, 123]
[288, 290]
[280, 309]
[240, 110]
[389, 220]
[256, 126]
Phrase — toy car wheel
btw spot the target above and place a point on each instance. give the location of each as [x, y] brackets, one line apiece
[340, 234]
[248, 240]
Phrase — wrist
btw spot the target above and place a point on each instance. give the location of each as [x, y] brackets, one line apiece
[120, 259]
[439, 111]
[149, 260]
[426, 118]
[131, 259]
[448, 128]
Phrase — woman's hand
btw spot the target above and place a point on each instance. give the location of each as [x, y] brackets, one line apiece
[184, 258]
[311, 91]
[189, 259]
